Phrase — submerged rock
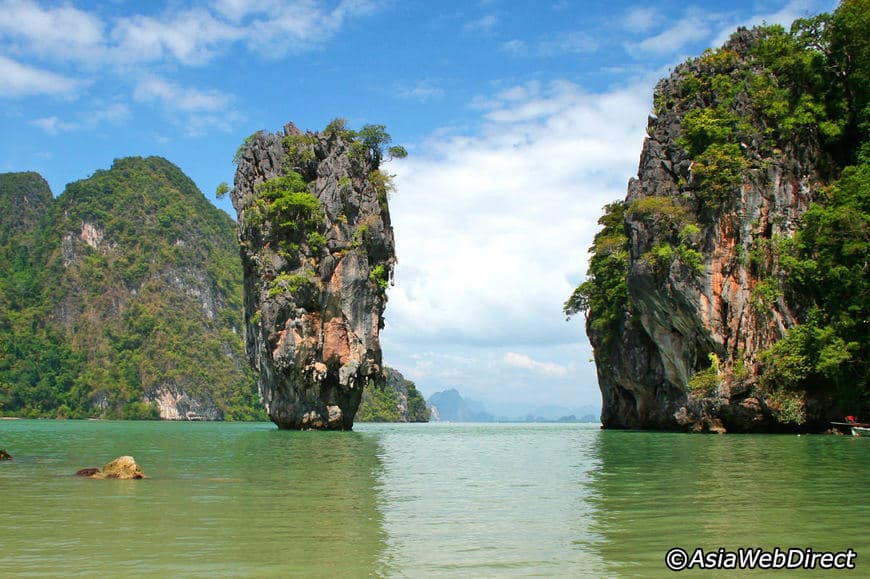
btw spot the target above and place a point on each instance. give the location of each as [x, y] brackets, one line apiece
[88, 472]
[317, 252]
[123, 467]
[5, 455]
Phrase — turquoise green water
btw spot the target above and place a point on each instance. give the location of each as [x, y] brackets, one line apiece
[417, 500]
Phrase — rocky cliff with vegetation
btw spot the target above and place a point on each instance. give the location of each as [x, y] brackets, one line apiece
[396, 399]
[122, 298]
[729, 289]
[317, 252]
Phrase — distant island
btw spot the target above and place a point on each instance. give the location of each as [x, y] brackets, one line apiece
[450, 406]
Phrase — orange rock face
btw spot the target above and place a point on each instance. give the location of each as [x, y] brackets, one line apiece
[336, 348]
[730, 309]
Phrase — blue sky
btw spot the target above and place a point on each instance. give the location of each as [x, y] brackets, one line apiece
[522, 119]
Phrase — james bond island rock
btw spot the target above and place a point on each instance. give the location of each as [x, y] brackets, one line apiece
[317, 252]
[729, 290]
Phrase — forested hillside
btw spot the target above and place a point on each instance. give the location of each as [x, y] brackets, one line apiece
[396, 400]
[121, 298]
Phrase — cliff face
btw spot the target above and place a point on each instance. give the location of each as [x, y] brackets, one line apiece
[397, 401]
[133, 302]
[720, 184]
[317, 251]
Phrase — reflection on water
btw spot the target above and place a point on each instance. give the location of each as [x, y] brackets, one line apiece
[416, 500]
[655, 491]
[488, 500]
[222, 498]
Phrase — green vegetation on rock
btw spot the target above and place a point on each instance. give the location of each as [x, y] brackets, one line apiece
[126, 292]
[827, 267]
[604, 294]
[395, 400]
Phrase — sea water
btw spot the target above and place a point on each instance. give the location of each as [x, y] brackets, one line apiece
[418, 500]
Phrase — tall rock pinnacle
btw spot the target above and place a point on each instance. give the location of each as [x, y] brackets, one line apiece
[318, 253]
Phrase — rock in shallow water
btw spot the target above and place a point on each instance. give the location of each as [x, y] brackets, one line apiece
[123, 467]
[318, 253]
[90, 472]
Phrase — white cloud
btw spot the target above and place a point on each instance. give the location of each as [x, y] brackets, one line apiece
[129, 52]
[238, 9]
[191, 37]
[784, 16]
[485, 24]
[17, 80]
[515, 47]
[527, 363]
[576, 42]
[122, 46]
[492, 230]
[52, 125]
[641, 18]
[559, 44]
[63, 32]
[196, 111]
[492, 225]
[694, 26]
[179, 98]
[557, 374]
[113, 113]
[423, 91]
[711, 27]
[294, 26]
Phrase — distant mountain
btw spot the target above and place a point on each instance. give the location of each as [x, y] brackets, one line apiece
[122, 298]
[544, 412]
[450, 406]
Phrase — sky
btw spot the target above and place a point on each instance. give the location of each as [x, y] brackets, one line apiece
[522, 119]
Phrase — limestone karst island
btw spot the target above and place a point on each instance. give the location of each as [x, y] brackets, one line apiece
[317, 255]
[730, 289]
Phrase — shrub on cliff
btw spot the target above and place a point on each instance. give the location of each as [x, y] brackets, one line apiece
[603, 297]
